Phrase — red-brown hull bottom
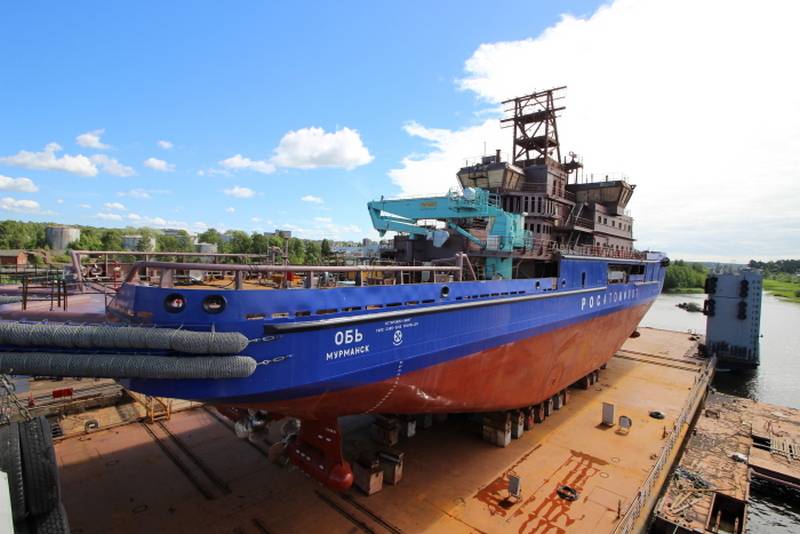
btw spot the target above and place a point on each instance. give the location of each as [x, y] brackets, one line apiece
[509, 376]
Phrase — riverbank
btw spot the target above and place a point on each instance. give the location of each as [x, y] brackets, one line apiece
[684, 290]
[785, 290]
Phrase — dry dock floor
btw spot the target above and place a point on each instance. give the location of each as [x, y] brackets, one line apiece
[191, 474]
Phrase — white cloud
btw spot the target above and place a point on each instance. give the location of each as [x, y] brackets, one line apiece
[433, 173]
[166, 145]
[239, 192]
[114, 206]
[85, 206]
[112, 166]
[214, 172]
[108, 216]
[323, 219]
[135, 193]
[159, 165]
[705, 123]
[92, 139]
[312, 199]
[143, 193]
[60, 201]
[46, 160]
[312, 148]
[256, 219]
[19, 206]
[230, 209]
[19, 185]
[239, 162]
[134, 217]
[309, 148]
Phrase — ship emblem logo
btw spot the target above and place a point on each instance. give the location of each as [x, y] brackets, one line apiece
[397, 339]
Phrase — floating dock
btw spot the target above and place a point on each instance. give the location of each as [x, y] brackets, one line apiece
[734, 441]
[190, 472]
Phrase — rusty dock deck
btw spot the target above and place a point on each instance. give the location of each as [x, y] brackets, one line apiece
[734, 441]
[191, 474]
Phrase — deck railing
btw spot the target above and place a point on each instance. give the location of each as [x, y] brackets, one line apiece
[640, 503]
[168, 270]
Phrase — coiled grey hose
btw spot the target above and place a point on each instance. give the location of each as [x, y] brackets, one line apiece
[120, 337]
[125, 365]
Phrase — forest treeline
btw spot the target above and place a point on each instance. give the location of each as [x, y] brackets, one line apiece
[31, 236]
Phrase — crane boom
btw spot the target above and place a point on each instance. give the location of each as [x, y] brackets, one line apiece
[505, 230]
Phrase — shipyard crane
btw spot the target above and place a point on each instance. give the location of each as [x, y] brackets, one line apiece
[505, 231]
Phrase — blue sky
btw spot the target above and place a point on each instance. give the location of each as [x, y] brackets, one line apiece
[265, 103]
[217, 80]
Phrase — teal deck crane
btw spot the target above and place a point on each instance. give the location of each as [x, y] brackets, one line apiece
[505, 231]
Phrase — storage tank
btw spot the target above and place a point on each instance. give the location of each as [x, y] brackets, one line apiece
[60, 237]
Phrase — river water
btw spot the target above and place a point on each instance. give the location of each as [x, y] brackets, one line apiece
[776, 381]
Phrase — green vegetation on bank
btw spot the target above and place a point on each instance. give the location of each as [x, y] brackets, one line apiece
[786, 290]
[685, 277]
[781, 277]
[685, 290]
[31, 236]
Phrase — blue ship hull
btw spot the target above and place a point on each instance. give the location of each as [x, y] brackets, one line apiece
[328, 352]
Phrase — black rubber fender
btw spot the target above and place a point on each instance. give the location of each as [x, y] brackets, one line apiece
[54, 522]
[39, 468]
[125, 365]
[11, 464]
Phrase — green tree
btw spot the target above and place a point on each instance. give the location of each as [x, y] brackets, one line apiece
[90, 240]
[180, 242]
[211, 236]
[239, 242]
[111, 240]
[313, 255]
[146, 243]
[325, 248]
[297, 251]
[684, 275]
[259, 243]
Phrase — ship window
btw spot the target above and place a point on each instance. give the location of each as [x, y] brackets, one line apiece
[302, 314]
[429, 301]
[412, 303]
[393, 304]
[583, 279]
[326, 311]
[375, 306]
[538, 284]
[280, 315]
[254, 316]
[175, 303]
[214, 304]
[351, 308]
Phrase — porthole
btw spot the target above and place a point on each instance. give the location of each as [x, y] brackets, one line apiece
[214, 303]
[175, 303]
[445, 292]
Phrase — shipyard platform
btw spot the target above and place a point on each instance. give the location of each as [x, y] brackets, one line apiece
[190, 473]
